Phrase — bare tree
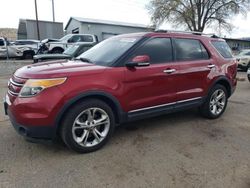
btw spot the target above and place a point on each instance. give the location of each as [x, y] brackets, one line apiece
[196, 15]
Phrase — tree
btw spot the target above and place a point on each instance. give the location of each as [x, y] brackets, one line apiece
[196, 15]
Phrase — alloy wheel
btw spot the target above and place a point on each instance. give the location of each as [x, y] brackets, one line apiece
[91, 127]
[217, 102]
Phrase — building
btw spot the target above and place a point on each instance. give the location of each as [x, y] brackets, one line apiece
[103, 29]
[238, 44]
[27, 29]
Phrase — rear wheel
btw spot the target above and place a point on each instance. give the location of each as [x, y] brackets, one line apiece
[215, 103]
[88, 126]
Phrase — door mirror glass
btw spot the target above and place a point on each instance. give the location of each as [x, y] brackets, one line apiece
[139, 61]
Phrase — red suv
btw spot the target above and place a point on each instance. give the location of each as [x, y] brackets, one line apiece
[122, 79]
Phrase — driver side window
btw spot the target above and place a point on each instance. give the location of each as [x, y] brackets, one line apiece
[75, 39]
[158, 49]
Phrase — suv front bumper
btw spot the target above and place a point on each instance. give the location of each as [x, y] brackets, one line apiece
[33, 132]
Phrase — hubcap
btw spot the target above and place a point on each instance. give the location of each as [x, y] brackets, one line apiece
[91, 127]
[217, 102]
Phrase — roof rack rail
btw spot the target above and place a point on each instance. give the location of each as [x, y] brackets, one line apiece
[186, 32]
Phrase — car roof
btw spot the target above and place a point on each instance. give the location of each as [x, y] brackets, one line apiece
[173, 34]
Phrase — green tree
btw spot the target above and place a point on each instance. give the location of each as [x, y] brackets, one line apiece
[196, 15]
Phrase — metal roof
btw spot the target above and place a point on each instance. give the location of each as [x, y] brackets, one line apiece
[106, 22]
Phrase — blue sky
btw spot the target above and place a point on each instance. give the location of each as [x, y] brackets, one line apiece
[133, 11]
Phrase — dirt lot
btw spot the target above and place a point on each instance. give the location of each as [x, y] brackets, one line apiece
[177, 150]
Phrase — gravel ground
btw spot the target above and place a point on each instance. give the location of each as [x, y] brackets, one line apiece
[176, 150]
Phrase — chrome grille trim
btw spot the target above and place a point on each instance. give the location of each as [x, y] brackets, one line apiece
[12, 93]
[15, 83]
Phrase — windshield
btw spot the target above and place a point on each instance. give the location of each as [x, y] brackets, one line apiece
[65, 38]
[244, 53]
[71, 50]
[108, 51]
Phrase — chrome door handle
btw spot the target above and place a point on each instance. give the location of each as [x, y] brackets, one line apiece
[211, 66]
[169, 71]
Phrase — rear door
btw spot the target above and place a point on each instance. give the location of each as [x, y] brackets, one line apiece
[152, 86]
[195, 66]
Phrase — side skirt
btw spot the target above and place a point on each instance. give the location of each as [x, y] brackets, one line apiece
[164, 109]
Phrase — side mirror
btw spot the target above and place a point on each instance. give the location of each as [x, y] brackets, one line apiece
[139, 61]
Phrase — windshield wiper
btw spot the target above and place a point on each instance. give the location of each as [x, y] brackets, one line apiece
[85, 60]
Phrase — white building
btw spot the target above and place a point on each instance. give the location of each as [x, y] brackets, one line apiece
[103, 29]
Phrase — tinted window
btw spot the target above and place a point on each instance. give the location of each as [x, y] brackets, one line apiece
[1, 42]
[86, 38]
[75, 38]
[189, 49]
[223, 48]
[159, 50]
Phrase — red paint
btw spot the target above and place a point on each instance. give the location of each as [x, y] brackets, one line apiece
[134, 88]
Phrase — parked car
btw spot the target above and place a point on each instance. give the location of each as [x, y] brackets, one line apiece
[69, 53]
[55, 46]
[248, 74]
[243, 59]
[19, 49]
[122, 79]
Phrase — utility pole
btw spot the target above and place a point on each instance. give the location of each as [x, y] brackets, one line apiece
[37, 23]
[53, 10]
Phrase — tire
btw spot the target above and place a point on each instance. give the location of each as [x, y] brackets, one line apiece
[95, 134]
[212, 107]
[28, 55]
[57, 51]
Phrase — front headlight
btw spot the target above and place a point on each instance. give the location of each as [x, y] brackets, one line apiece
[34, 86]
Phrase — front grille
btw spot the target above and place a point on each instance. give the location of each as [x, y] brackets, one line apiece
[15, 85]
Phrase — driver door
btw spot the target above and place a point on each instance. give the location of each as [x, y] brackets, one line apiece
[153, 86]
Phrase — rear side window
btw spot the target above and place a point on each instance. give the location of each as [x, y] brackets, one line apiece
[158, 49]
[190, 49]
[223, 48]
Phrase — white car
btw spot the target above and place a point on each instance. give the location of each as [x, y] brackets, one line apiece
[243, 59]
[19, 49]
[58, 46]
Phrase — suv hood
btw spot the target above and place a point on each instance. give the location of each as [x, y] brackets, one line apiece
[56, 69]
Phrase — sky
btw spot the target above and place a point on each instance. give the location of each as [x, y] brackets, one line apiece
[132, 11]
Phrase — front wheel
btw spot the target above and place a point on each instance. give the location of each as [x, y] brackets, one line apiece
[88, 126]
[215, 103]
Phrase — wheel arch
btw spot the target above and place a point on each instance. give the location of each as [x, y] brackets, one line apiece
[57, 48]
[103, 96]
[224, 81]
